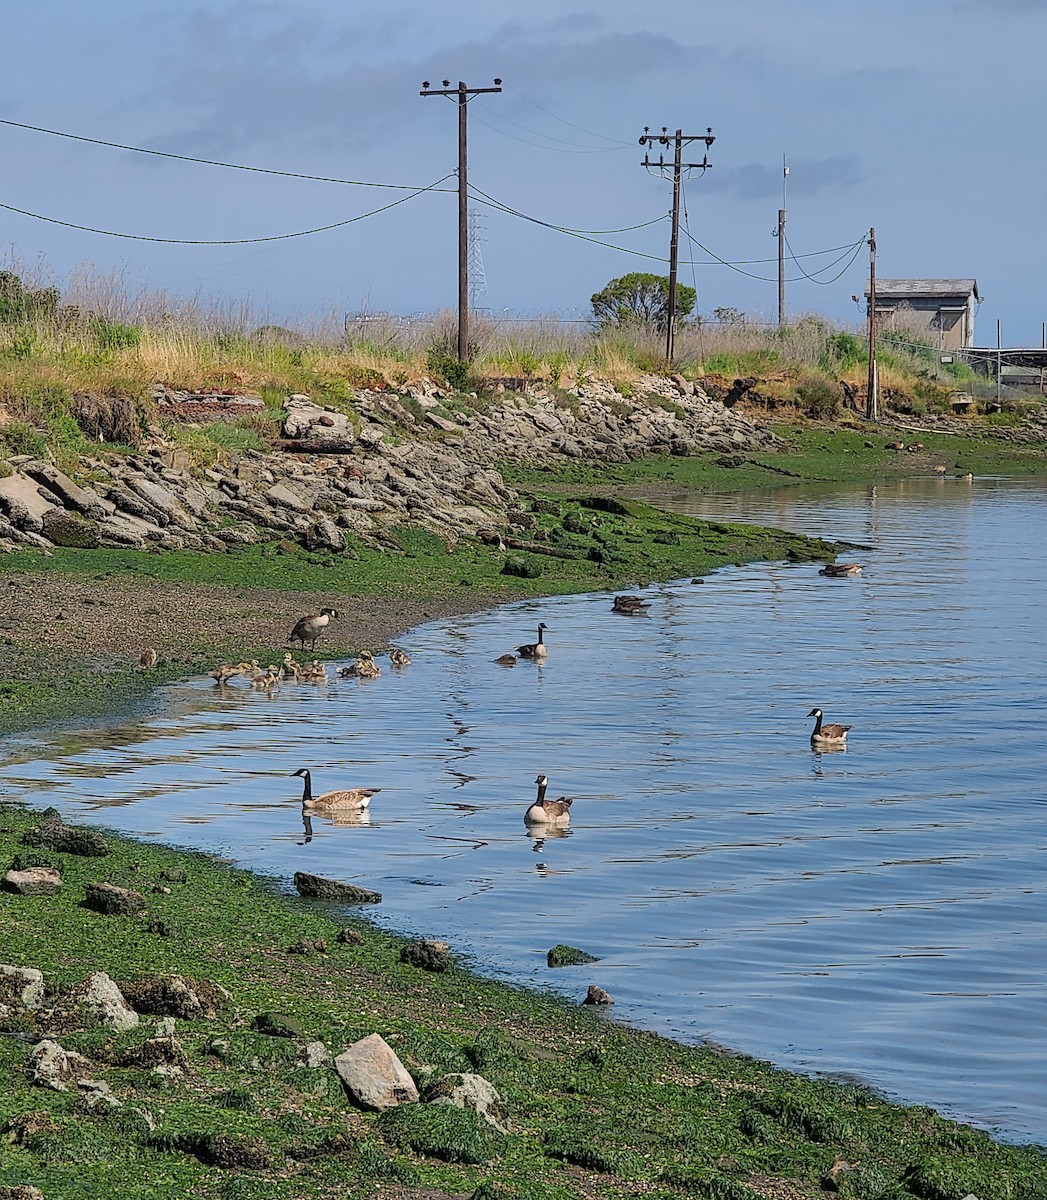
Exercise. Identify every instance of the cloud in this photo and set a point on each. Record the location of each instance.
(807, 177)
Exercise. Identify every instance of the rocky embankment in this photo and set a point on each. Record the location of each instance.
(416, 457)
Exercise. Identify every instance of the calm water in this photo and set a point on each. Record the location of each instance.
(876, 913)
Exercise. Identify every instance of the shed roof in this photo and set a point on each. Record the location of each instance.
(924, 288)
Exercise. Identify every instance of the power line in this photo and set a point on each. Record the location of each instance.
(278, 237)
(576, 147)
(210, 162)
(580, 128)
(851, 250)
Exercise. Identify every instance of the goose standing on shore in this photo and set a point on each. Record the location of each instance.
(554, 813)
(827, 737)
(311, 626)
(535, 649)
(347, 800)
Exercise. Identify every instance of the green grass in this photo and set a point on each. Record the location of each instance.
(595, 1109)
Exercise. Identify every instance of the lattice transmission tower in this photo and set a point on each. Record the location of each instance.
(477, 275)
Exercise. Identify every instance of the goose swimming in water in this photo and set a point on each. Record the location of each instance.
(841, 570)
(399, 658)
(506, 660)
(364, 668)
(349, 798)
(555, 813)
(310, 627)
(630, 605)
(536, 649)
(827, 737)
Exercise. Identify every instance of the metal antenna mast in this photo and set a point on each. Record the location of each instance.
(462, 94)
(781, 246)
(677, 140)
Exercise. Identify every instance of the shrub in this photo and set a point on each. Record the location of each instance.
(819, 398)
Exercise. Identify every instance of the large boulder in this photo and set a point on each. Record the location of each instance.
(373, 1076)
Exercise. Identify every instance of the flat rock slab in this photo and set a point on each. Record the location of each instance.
(315, 887)
(373, 1076)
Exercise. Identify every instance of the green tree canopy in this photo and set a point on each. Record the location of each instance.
(641, 298)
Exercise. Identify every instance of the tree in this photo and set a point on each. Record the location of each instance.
(642, 299)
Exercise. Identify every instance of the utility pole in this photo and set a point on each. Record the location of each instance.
(462, 94)
(677, 141)
(870, 394)
(781, 247)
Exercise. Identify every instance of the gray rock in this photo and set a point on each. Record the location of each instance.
(373, 1076)
(281, 494)
(72, 495)
(112, 901)
(473, 1092)
(48, 1065)
(21, 987)
(596, 995)
(33, 881)
(316, 887)
(100, 996)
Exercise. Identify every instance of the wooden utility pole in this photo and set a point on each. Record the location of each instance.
(462, 94)
(677, 141)
(870, 394)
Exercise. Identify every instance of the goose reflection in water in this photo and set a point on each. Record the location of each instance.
(351, 817)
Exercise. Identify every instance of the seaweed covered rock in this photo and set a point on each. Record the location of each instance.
(427, 955)
(176, 996)
(316, 887)
(53, 833)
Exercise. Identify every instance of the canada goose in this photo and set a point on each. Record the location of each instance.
(148, 658)
(631, 605)
(506, 660)
(310, 627)
(535, 649)
(399, 658)
(827, 736)
(967, 475)
(841, 570)
(315, 672)
(940, 470)
(364, 668)
(350, 798)
(269, 678)
(548, 812)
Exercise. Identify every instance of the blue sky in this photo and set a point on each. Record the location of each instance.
(918, 117)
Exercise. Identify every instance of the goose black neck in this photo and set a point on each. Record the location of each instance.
(541, 791)
(540, 632)
(307, 790)
(818, 724)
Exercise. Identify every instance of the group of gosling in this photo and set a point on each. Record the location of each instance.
(543, 813)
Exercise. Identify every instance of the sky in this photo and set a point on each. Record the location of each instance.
(919, 118)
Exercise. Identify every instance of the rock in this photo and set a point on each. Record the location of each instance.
(569, 956)
(20, 1191)
(317, 1055)
(472, 1092)
(427, 955)
(72, 495)
(315, 887)
(176, 996)
(53, 834)
(596, 995)
(68, 529)
(349, 937)
(163, 1055)
(373, 1076)
(20, 499)
(48, 1065)
(282, 495)
(113, 901)
(104, 1001)
(21, 987)
(34, 881)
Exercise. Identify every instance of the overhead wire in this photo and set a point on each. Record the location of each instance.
(550, 113)
(212, 162)
(576, 147)
(850, 253)
(278, 237)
